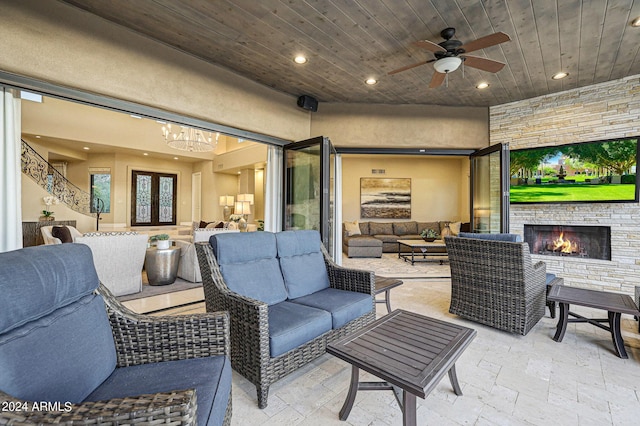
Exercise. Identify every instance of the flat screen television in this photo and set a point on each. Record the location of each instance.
(588, 172)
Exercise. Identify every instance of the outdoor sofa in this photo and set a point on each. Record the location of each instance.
(286, 299)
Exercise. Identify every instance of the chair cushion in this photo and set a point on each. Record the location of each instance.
(209, 376)
(514, 238)
(44, 278)
(62, 356)
(249, 265)
(550, 277)
(344, 306)
(301, 262)
(294, 324)
(62, 233)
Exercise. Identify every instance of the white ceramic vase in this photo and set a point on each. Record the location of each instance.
(163, 244)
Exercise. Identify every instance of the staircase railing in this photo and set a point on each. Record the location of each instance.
(45, 175)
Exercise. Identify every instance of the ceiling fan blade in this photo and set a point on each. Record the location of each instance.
(484, 42)
(483, 64)
(437, 79)
(408, 67)
(429, 45)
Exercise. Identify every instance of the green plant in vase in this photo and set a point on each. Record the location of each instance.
(429, 235)
(161, 241)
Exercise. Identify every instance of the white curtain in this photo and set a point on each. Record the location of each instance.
(273, 190)
(10, 172)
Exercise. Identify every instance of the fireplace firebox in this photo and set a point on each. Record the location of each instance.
(592, 242)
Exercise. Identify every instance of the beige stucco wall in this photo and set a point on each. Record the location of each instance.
(439, 186)
(58, 43)
(402, 126)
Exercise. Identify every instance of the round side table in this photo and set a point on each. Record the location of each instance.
(162, 265)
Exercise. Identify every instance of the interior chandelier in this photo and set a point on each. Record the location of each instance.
(189, 139)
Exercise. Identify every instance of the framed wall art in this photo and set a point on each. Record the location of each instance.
(385, 198)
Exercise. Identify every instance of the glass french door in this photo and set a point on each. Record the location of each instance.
(153, 198)
(490, 190)
(309, 188)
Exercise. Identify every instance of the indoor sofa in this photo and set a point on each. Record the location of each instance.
(69, 348)
(285, 297)
(371, 239)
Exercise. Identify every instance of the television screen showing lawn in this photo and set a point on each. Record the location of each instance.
(603, 171)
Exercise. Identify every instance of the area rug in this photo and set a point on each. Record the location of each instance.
(390, 266)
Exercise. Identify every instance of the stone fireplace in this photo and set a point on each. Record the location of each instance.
(589, 242)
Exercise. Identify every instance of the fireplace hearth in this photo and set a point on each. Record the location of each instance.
(592, 242)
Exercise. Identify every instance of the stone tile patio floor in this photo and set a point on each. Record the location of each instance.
(506, 379)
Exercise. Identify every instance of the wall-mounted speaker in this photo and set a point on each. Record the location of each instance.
(308, 102)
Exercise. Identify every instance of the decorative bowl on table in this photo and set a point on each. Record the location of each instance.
(429, 239)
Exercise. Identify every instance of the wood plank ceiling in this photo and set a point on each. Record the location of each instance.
(348, 41)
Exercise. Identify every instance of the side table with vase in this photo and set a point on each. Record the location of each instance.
(162, 265)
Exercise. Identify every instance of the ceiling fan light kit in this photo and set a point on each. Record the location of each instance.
(447, 64)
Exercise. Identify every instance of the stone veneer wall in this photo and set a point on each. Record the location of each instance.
(602, 111)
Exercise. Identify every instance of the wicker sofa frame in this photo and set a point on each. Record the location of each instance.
(250, 355)
(495, 283)
(142, 339)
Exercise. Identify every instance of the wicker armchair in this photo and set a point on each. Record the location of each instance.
(495, 283)
(250, 339)
(139, 340)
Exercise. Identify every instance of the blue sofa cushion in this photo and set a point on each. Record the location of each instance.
(210, 377)
(550, 277)
(344, 306)
(514, 238)
(302, 262)
(293, 324)
(249, 265)
(44, 278)
(62, 357)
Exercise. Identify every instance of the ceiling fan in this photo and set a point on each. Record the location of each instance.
(450, 53)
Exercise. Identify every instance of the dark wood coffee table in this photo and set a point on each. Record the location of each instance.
(614, 303)
(384, 285)
(409, 351)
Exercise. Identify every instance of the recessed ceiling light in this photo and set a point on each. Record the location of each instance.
(482, 85)
(38, 136)
(371, 81)
(135, 116)
(300, 59)
(86, 148)
(175, 158)
(560, 75)
(636, 22)
(145, 153)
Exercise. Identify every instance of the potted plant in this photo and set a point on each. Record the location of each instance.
(49, 200)
(429, 235)
(161, 240)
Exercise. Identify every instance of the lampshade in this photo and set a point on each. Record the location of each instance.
(226, 200)
(447, 65)
(246, 197)
(242, 207)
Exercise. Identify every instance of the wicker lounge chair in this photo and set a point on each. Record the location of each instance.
(65, 342)
(255, 353)
(495, 283)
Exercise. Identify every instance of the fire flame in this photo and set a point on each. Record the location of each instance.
(565, 246)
